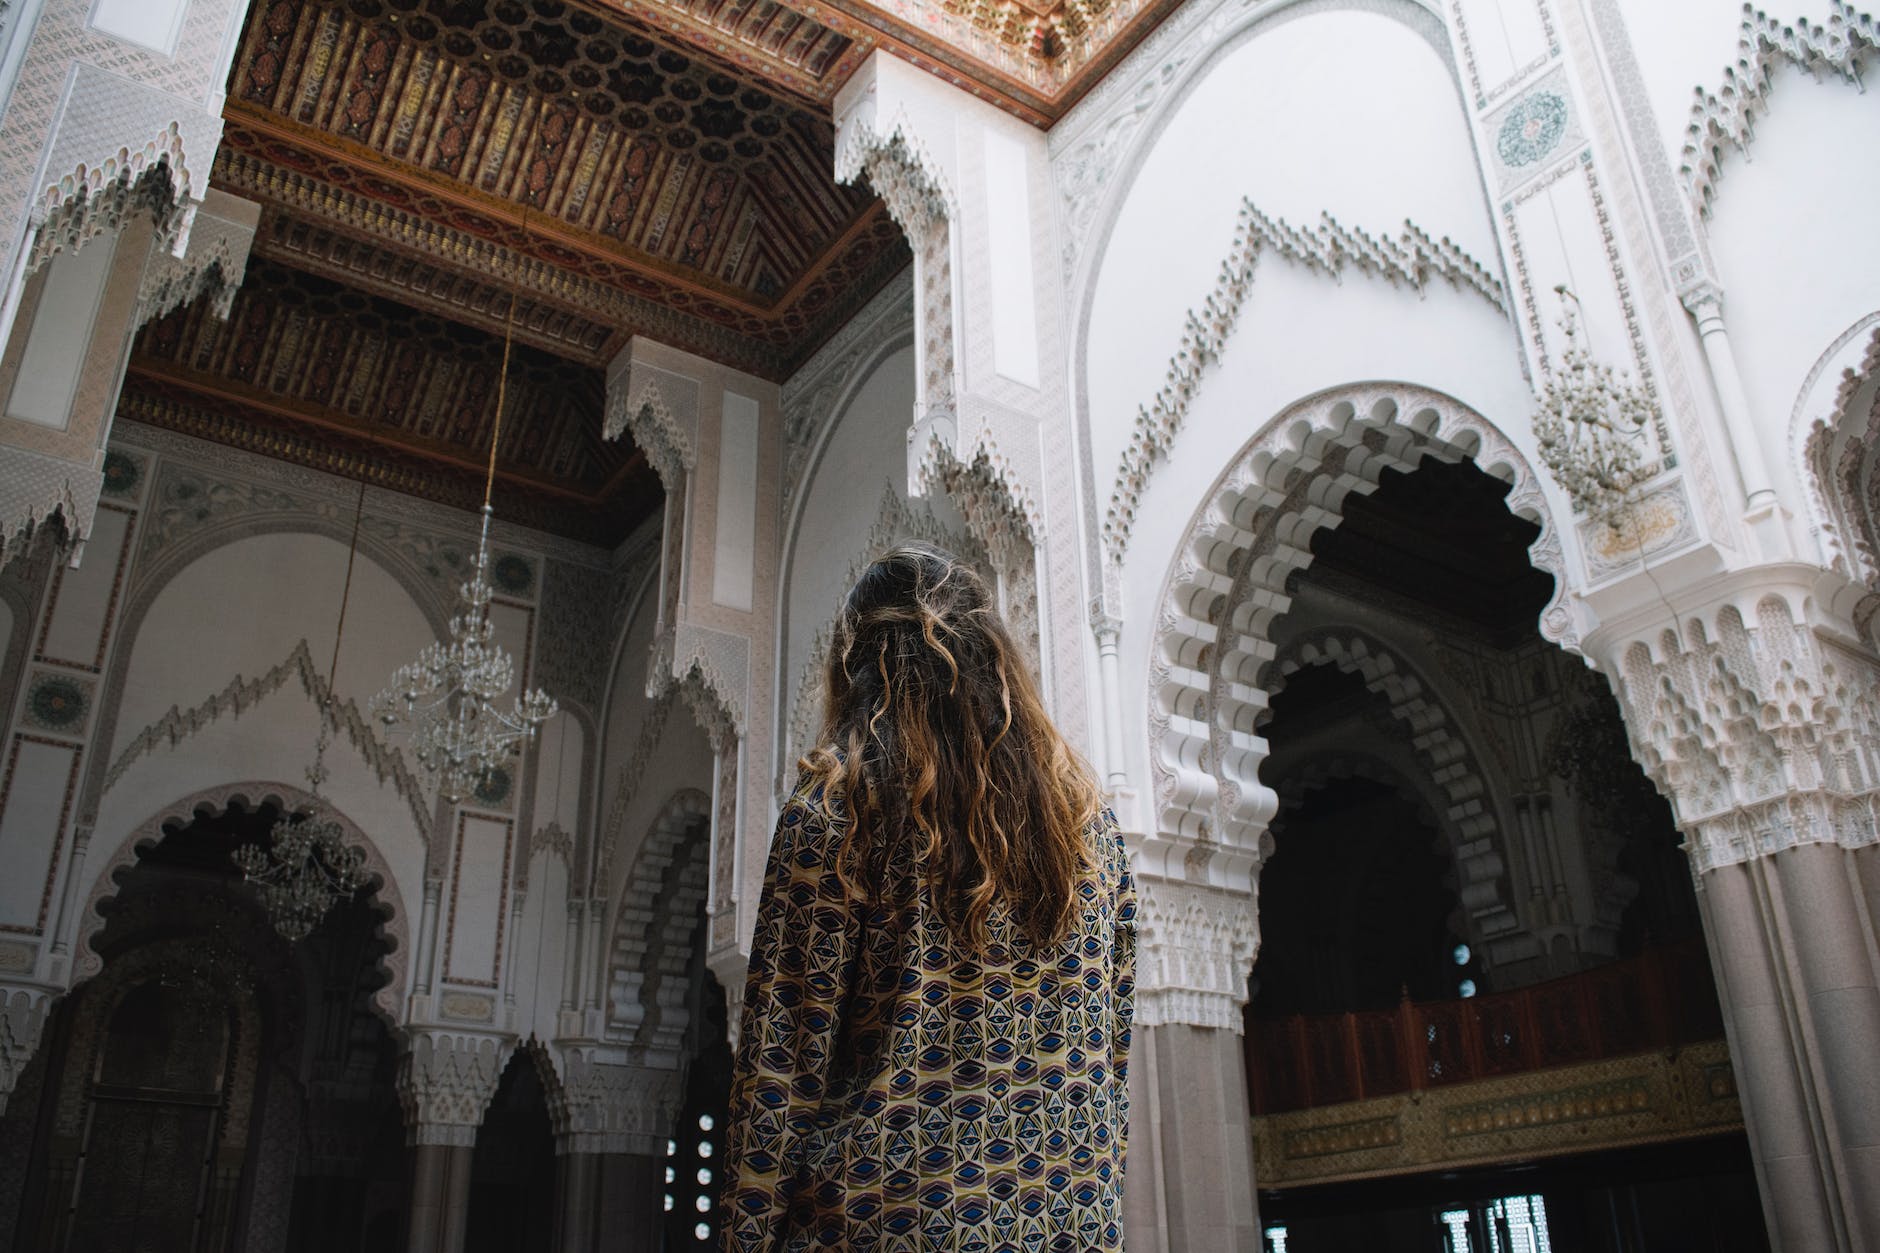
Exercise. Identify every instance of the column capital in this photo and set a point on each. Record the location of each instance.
(606, 1104)
(1758, 716)
(23, 1012)
(1703, 298)
(1194, 951)
(445, 1082)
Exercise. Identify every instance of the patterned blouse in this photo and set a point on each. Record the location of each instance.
(894, 1094)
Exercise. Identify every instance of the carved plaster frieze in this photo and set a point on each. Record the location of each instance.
(1762, 731)
(606, 1103)
(1195, 947)
(445, 1082)
(659, 408)
(242, 694)
(214, 264)
(1724, 119)
(36, 491)
(712, 669)
(23, 1011)
(1412, 259)
(219, 484)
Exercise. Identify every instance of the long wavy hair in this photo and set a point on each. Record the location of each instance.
(935, 737)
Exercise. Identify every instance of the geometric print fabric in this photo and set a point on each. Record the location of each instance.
(895, 1094)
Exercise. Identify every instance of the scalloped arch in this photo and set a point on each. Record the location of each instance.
(1212, 644)
(388, 1002)
(1478, 843)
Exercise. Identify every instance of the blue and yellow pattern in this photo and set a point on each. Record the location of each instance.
(895, 1094)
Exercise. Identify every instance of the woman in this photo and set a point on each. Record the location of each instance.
(936, 1024)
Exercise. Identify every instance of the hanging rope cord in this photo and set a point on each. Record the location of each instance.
(328, 719)
(502, 389)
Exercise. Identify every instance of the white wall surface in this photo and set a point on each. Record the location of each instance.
(1344, 112)
(1791, 233)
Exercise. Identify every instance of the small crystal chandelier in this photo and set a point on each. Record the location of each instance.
(447, 698)
(1590, 423)
(306, 867)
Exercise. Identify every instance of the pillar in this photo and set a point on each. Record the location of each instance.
(1778, 809)
(440, 1197)
(577, 1187)
(631, 1185)
(1705, 303)
(612, 1118)
(1188, 1181)
(445, 1081)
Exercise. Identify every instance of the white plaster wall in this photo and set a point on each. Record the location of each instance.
(237, 612)
(1791, 235)
(1682, 45)
(863, 460)
(541, 948)
(1350, 113)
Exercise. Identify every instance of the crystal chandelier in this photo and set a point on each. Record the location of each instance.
(447, 698)
(306, 867)
(1591, 422)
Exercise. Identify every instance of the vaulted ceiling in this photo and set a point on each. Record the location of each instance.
(433, 173)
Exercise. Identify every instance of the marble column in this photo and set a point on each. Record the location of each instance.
(577, 1181)
(1188, 1179)
(1203, 1137)
(440, 1197)
(445, 1081)
(629, 1199)
(1779, 812)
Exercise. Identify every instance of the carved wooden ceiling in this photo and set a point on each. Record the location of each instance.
(616, 167)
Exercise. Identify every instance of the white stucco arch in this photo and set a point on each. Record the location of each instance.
(1210, 647)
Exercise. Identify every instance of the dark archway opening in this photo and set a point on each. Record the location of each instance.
(1409, 948)
(512, 1172)
(214, 1087)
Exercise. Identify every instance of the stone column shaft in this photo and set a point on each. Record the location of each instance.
(440, 1197)
(1706, 305)
(577, 1179)
(1792, 942)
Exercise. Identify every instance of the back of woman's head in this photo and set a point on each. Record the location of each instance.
(943, 752)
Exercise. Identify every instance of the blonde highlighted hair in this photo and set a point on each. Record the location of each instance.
(935, 735)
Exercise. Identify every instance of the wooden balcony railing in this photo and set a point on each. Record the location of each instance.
(1662, 998)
